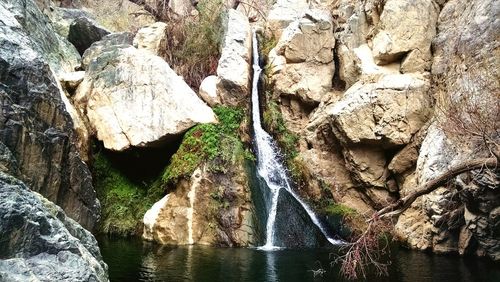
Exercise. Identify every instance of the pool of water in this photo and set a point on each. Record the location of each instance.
(135, 260)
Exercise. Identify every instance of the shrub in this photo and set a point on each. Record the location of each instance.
(217, 144)
(193, 42)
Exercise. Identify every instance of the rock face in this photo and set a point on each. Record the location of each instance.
(62, 18)
(108, 42)
(400, 19)
(282, 13)
(446, 220)
(302, 61)
(83, 32)
(207, 209)
(39, 243)
(133, 98)
(24, 14)
(233, 71)
(386, 112)
(152, 38)
(34, 123)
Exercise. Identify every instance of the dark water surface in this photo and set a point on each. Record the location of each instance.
(135, 260)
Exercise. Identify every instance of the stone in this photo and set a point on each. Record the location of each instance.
(181, 7)
(403, 31)
(406, 159)
(282, 13)
(8, 162)
(62, 18)
(385, 111)
(35, 124)
(83, 32)
(71, 80)
(367, 165)
(208, 91)
(40, 243)
(233, 71)
(206, 209)
(152, 38)
(25, 15)
(414, 228)
(306, 68)
(109, 42)
(134, 99)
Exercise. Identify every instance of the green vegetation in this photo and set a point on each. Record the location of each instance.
(123, 201)
(216, 144)
(339, 210)
(274, 123)
(194, 42)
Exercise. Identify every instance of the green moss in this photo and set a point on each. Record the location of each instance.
(274, 123)
(336, 209)
(123, 201)
(216, 144)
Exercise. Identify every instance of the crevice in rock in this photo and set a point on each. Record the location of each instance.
(140, 165)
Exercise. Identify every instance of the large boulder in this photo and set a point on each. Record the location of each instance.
(152, 38)
(302, 61)
(83, 32)
(208, 209)
(40, 243)
(34, 123)
(109, 42)
(386, 110)
(233, 71)
(133, 98)
(403, 33)
(282, 13)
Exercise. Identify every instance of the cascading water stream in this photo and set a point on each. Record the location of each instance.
(268, 165)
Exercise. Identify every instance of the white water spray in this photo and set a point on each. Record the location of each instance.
(268, 165)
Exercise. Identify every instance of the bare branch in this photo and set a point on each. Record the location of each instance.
(404, 203)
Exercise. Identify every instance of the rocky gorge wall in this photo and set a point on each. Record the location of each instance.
(357, 93)
(376, 130)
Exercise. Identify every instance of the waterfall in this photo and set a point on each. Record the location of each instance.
(269, 166)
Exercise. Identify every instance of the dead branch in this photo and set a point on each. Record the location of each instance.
(403, 204)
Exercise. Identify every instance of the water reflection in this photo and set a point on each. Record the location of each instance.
(134, 260)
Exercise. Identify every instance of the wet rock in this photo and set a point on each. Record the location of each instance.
(293, 227)
(35, 125)
(152, 38)
(39, 243)
(233, 71)
(83, 32)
